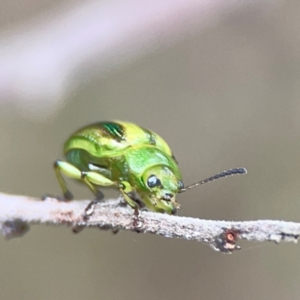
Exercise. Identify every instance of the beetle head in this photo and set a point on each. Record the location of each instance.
(162, 186)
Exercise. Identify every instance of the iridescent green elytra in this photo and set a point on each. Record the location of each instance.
(136, 161)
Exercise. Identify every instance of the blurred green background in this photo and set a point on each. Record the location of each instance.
(225, 97)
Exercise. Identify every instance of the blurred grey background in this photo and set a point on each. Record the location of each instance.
(223, 95)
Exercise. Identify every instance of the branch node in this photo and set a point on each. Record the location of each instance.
(14, 228)
(226, 241)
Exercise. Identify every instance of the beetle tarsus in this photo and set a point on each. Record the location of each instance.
(68, 196)
(137, 223)
(89, 210)
(136, 211)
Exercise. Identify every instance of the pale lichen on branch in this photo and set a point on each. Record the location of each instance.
(18, 212)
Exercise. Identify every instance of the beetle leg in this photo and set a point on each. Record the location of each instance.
(70, 171)
(126, 189)
(93, 188)
(96, 178)
(88, 211)
(91, 179)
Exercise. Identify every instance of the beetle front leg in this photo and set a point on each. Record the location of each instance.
(125, 188)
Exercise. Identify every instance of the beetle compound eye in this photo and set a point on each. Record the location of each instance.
(180, 185)
(153, 181)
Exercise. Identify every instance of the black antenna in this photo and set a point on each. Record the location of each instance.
(236, 171)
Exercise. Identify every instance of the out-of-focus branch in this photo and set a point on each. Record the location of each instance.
(48, 57)
(17, 212)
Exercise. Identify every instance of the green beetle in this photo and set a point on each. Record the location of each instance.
(136, 161)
